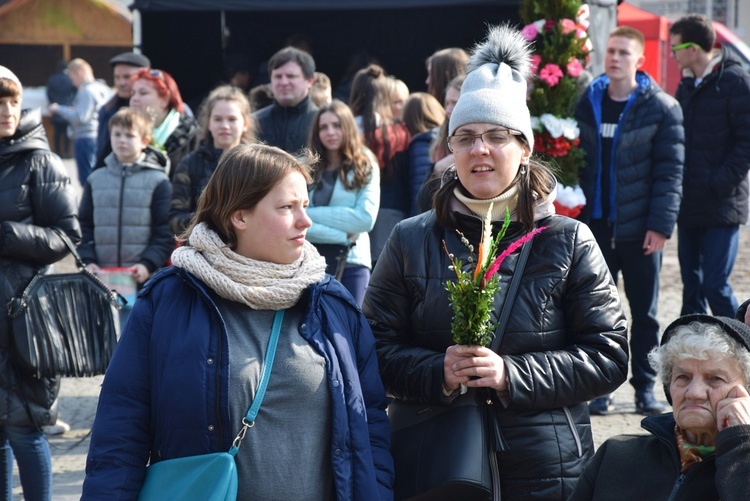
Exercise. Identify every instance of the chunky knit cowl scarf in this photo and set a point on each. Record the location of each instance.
(259, 284)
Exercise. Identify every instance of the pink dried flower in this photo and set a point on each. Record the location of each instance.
(536, 60)
(529, 32)
(568, 26)
(574, 67)
(549, 24)
(507, 252)
(550, 74)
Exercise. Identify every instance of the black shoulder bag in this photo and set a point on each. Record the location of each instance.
(64, 324)
(444, 453)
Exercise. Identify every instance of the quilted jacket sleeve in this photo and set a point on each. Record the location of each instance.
(53, 203)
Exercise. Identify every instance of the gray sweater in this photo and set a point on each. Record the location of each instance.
(83, 116)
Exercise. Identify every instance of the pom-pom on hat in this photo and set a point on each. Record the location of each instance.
(6, 73)
(495, 87)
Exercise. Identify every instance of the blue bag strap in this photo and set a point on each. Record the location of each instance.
(249, 420)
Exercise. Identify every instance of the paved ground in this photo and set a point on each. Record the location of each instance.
(78, 397)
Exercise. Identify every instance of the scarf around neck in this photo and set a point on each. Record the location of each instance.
(261, 285)
(166, 127)
(690, 454)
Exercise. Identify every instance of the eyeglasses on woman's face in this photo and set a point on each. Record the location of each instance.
(491, 139)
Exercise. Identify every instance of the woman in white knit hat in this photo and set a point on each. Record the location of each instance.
(188, 365)
(565, 341)
(35, 197)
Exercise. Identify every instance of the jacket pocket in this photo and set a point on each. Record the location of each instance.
(574, 431)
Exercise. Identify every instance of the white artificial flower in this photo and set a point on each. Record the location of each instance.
(570, 128)
(553, 125)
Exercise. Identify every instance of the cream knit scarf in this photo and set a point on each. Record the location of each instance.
(259, 284)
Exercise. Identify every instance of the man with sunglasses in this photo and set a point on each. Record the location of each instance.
(715, 98)
(632, 136)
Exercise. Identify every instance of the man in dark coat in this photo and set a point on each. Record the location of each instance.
(123, 67)
(632, 134)
(715, 98)
(287, 122)
(61, 90)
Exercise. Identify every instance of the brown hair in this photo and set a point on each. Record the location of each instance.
(352, 150)
(304, 60)
(244, 176)
(695, 28)
(9, 88)
(537, 182)
(226, 93)
(422, 112)
(440, 145)
(445, 65)
(132, 119)
(320, 90)
(630, 33)
(371, 96)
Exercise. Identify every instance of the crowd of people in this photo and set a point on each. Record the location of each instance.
(342, 221)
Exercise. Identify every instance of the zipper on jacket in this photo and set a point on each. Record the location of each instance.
(495, 471)
(676, 487)
(123, 173)
(574, 431)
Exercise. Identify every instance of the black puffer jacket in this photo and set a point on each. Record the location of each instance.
(648, 151)
(717, 135)
(35, 194)
(565, 342)
(182, 141)
(188, 181)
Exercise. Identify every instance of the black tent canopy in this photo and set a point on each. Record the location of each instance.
(191, 38)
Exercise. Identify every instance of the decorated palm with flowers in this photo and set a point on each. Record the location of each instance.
(472, 295)
(558, 29)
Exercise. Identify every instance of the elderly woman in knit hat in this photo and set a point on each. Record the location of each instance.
(565, 339)
(701, 450)
(35, 197)
(188, 365)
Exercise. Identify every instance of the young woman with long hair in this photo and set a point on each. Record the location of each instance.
(345, 197)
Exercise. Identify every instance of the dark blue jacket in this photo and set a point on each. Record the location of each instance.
(717, 132)
(646, 165)
(420, 164)
(166, 391)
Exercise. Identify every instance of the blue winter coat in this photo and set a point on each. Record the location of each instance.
(646, 164)
(166, 392)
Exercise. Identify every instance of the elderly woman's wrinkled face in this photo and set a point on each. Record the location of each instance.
(487, 171)
(697, 386)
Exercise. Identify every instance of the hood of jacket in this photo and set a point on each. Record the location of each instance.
(29, 136)
(646, 86)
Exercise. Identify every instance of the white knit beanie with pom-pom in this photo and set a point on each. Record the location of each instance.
(495, 87)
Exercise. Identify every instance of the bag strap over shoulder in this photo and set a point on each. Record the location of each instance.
(510, 298)
(249, 420)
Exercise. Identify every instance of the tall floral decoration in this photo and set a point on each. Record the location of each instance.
(557, 28)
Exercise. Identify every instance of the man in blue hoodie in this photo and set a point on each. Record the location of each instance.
(632, 136)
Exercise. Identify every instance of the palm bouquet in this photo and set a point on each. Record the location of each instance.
(472, 294)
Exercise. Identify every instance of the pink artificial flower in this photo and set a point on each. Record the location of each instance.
(507, 252)
(568, 26)
(549, 24)
(574, 67)
(550, 74)
(536, 60)
(529, 32)
(581, 33)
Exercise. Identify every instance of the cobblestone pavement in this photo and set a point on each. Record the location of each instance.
(78, 397)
